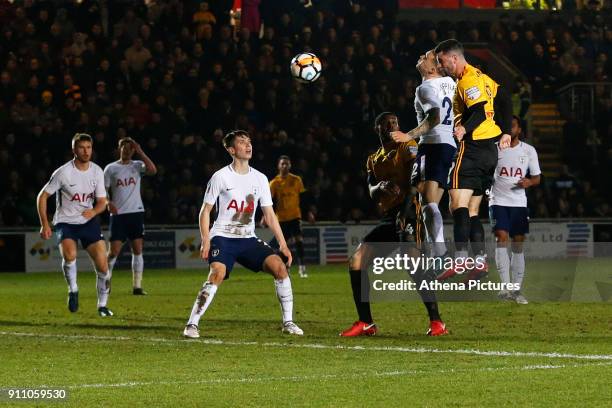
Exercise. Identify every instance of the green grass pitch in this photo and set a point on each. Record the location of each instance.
(498, 354)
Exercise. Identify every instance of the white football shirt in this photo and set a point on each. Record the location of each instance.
(512, 165)
(437, 93)
(75, 191)
(123, 182)
(237, 197)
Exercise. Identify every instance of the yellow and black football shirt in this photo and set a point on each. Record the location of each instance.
(474, 87)
(286, 195)
(393, 163)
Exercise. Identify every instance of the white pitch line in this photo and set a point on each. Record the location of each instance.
(318, 377)
(418, 350)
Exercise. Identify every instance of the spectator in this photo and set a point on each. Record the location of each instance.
(175, 76)
(137, 56)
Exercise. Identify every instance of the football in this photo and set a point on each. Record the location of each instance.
(305, 67)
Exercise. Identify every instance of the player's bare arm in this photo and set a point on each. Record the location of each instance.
(99, 208)
(111, 208)
(41, 206)
(527, 182)
(311, 217)
(204, 221)
(150, 168)
(274, 226)
(431, 120)
(459, 132)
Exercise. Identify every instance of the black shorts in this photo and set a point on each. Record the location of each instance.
(88, 233)
(249, 252)
(433, 163)
(291, 228)
(127, 226)
(389, 230)
(475, 165)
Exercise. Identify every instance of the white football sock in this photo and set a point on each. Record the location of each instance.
(111, 263)
(137, 268)
(103, 285)
(502, 260)
(480, 259)
(434, 224)
(285, 297)
(70, 273)
(517, 267)
(203, 300)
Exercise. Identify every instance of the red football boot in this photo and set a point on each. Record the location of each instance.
(477, 273)
(452, 271)
(437, 328)
(360, 328)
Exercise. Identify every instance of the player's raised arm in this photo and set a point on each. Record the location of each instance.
(431, 119)
(150, 168)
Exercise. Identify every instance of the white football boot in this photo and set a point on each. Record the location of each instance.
(292, 328)
(191, 331)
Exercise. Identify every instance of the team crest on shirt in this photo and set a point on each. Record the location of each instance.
(93, 183)
(522, 159)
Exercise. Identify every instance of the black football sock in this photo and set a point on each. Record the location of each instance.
(428, 296)
(363, 308)
(477, 236)
(299, 248)
(432, 311)
(461, 228)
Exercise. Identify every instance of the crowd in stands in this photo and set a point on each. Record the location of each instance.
(176, 75)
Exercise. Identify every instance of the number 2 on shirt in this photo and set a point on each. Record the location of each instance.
(447, 101)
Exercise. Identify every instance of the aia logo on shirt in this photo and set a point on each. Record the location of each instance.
(245, 206)
(246, 211)
(511, 172)
(82, 197)
(125, 182)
